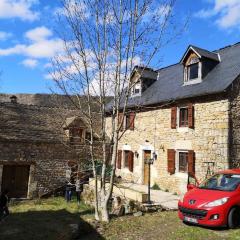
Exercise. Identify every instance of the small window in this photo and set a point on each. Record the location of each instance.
(136, 90)
(193, 71)
(183, 162)
(127, 121)
(183, 117)
(76, 135)
(126, 158)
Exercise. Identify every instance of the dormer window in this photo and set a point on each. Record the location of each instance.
(136, 89)
(197, 64)
(192, 72)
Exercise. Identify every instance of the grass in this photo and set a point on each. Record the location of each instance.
(43, 219)
(52, 219)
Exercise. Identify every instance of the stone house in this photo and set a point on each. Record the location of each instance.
(185, 117)
(41, 136)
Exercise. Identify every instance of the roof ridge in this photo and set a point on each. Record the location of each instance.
(34, 105)
(171, 65)
(202, 49)
(228, 46)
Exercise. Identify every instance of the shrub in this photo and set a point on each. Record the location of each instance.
(155, 187)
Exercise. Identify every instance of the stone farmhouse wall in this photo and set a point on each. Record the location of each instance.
(234, 98)
(48, 163)
(152, 131)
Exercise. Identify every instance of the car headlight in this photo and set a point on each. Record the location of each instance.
(216, 203)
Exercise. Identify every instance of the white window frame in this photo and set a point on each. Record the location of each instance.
(177, 161)
(181, 129)
(137, 85)
(188, 81)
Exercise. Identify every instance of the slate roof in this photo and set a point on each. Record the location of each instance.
(169, 86)
(34, 123)
(203, 53)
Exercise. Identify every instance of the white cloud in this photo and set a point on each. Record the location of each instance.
(21, 9)
(40, 45)
(31, 63)
(38, 34)
(5, 35)
(226, 13)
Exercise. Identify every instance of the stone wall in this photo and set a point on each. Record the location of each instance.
(209, 140)
(48, 163)
(234, 98)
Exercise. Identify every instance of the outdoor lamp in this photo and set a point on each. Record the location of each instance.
(136, 154)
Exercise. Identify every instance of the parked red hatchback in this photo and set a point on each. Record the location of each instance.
(215, 202)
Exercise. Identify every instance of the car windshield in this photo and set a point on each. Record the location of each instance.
(221, 182)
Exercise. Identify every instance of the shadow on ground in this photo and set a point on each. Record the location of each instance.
(44, 225)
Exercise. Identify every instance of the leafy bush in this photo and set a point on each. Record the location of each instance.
(155, 187)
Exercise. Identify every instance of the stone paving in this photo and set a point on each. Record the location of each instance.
(167, 200)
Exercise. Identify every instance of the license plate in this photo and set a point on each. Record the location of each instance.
(189, 219)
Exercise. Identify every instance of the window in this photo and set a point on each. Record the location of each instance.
(126, 159)
(76, 135)
(183, 117)
(128, 121)
(183, 162)
(136, 89)
(192, 71)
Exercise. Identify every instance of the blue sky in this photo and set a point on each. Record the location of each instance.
(28, 41)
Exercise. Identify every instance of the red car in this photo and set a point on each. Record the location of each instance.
(215, 202)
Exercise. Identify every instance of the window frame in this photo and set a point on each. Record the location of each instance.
(177, 163)
(73, 136)
(125, 158)
(136, 86)
(185, 125)
(187, 80)
(189, 71)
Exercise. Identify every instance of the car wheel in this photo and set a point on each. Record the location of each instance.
(234, 218)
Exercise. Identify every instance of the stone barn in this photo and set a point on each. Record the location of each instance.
(40, 135)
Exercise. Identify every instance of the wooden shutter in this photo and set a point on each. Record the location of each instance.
(171, 161)
(120, 121)
(130, 161)
(119, 159)
(174, 117)
(132, 117)
(191, 162)
(190, 116)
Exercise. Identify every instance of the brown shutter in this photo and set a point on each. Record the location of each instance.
(174, 117)
(119, 159)
(120, 121)
(190, 116)
(171, 161)
(132, 117)
(130, 161)
(191, 162)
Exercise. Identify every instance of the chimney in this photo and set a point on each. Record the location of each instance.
(13, 99)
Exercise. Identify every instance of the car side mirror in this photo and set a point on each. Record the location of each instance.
(191, 186)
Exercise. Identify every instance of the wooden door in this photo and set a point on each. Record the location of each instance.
(15, 179)
(146, 156)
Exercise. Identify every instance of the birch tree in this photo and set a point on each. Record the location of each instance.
(103, 41)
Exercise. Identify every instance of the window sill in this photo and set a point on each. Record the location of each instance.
(182, 129)
(193, 81)
(181, 175)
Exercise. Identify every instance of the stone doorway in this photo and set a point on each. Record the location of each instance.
(15, 178)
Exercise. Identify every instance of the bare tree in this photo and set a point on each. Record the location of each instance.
(103, 40)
